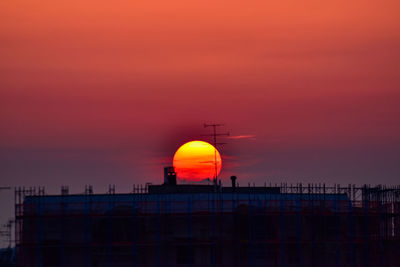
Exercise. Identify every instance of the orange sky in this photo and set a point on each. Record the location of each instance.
(93, 91)
(101, 74)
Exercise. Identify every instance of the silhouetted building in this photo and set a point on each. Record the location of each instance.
(169, 176)
(201, 225)
(7, 257)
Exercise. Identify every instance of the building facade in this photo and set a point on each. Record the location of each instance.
(183, 225)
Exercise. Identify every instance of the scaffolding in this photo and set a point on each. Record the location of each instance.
(302, 225)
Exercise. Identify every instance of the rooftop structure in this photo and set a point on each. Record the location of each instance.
(208, 225)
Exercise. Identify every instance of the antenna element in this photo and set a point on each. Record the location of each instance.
(214, 135)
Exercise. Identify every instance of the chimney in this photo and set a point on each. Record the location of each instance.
(169, 176)
(233, 179)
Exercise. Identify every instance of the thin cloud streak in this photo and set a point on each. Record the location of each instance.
(244, 136)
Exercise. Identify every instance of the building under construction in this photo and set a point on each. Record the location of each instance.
(210, 225)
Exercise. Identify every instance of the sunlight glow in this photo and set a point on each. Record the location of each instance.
(195, 161)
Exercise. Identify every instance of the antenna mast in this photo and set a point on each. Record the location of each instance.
(214, 135)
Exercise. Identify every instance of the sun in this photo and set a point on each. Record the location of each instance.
(196, 161)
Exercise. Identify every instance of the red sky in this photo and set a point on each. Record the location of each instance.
(99, 92)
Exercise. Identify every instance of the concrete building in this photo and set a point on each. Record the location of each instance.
(207, 225)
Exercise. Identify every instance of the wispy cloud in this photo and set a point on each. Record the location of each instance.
(243, 136)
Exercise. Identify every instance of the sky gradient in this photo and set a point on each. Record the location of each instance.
(100, 92)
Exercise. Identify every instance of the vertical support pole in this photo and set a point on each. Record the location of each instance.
(298, 229)
(63, 230)
(110, 229)
(159, 250)
(259, 216)
(267, 261)
(282, 227)
(381, 222)
(134, 230)
(251, 232)
(337, 245)
(398, 219)
(190, 229)
(313, 233)
(86, 232)
(235, 230)
(351, 226)
(220, 224)
(213, 233)
(167, 212)
(366, 231)
(16, 227)
(39, 240)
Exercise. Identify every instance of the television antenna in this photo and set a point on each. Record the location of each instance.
(214, 135)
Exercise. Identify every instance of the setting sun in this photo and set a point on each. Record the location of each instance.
(195, 161)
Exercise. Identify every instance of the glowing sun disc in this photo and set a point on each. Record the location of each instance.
(195, 161)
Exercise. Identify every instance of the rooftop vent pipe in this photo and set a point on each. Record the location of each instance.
(233, 179)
